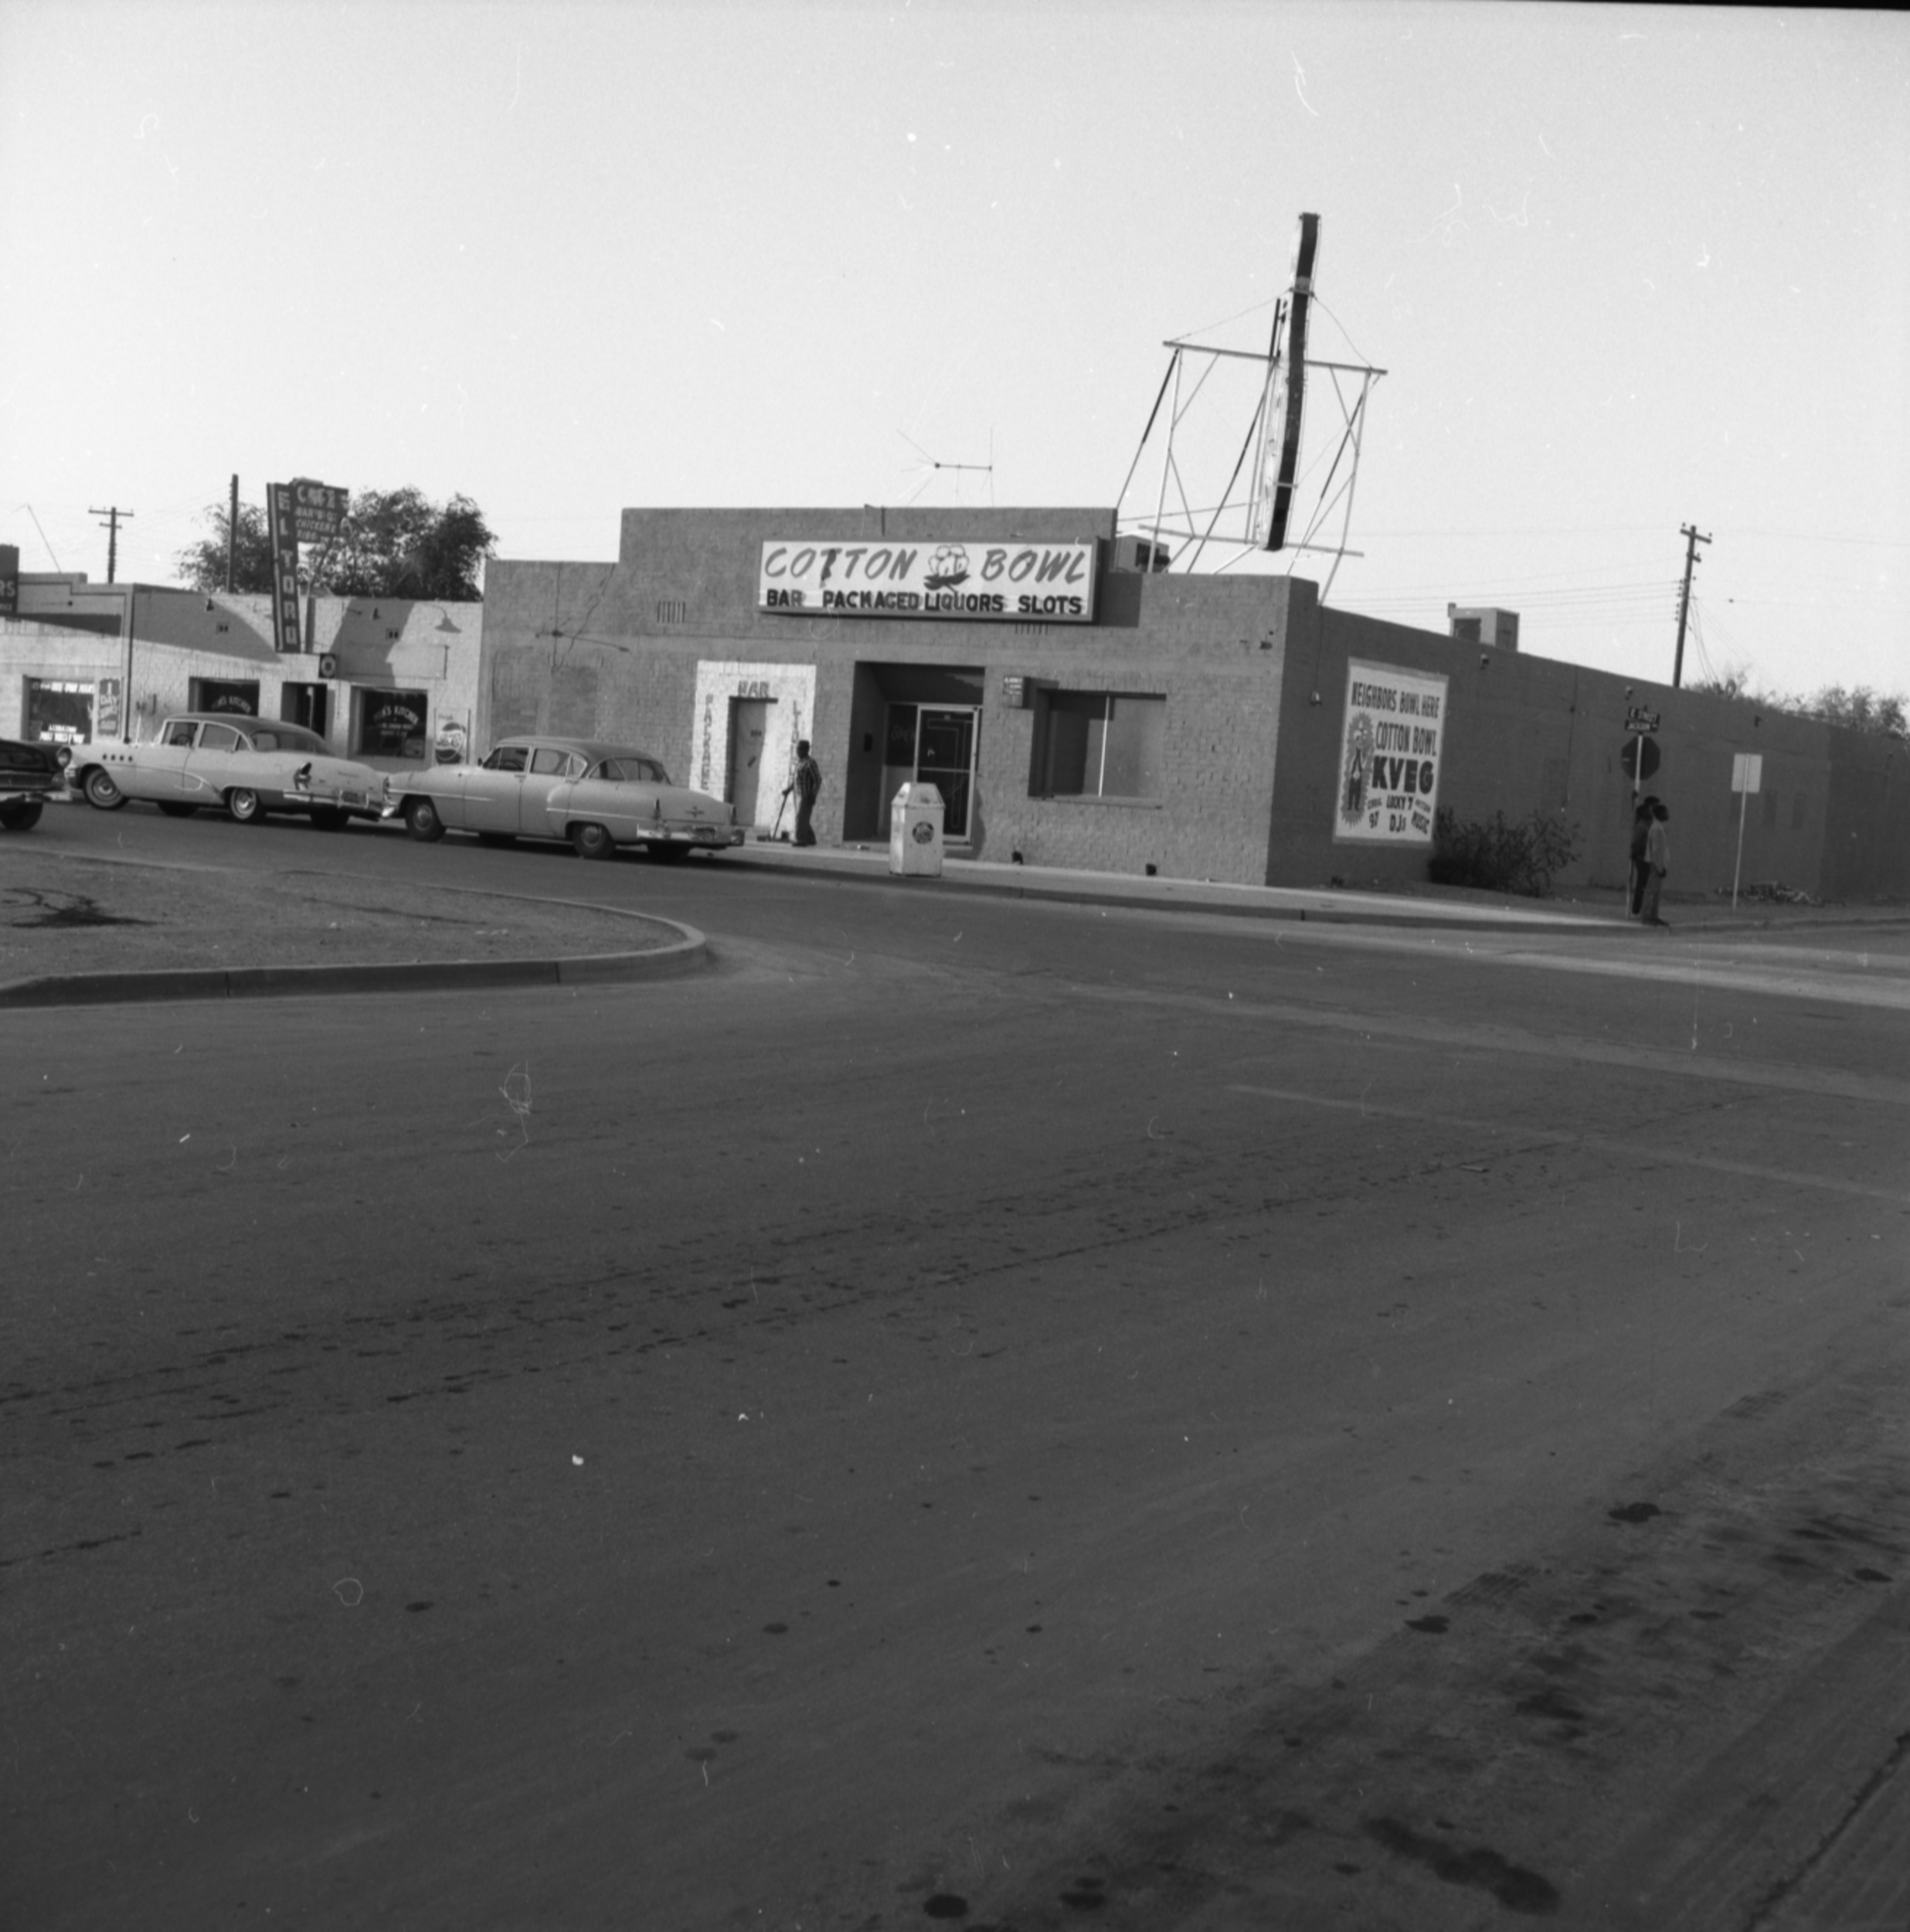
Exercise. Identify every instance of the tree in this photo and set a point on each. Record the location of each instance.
(1858, 708)
(393, 543)
(202, 566)
(398, 543)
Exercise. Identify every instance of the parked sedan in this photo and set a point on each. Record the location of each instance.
(247, 767)
(598, 796)
(29, 775)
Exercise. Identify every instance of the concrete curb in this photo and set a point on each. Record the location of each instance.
(1185, 896)
(689, 954)
(1162, 898)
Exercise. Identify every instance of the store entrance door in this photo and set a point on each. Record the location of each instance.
(945, 757)
(308, 705)
(748, 732)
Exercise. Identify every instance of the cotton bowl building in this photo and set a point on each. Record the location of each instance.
(1081, 707)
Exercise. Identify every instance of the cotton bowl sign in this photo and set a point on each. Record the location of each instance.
(1389, 755)
(1053, 582)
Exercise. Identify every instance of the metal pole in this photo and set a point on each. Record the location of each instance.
(1737, 871)
(232, 539)
(1692, 540)
(1346, 523)
(1166, 455)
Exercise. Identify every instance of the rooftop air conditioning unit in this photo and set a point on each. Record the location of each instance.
(1483, 623)
(1141, 553)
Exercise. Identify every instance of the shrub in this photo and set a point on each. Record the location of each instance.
(1497, 856)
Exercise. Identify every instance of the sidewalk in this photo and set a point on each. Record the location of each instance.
(1590, 911)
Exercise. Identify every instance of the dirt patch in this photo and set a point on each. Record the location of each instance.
(61, 915)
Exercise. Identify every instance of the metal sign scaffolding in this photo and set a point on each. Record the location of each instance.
(1245, 524)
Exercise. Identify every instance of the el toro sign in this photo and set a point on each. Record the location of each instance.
(951, 577)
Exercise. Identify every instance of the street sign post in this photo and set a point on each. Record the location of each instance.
(1747, 776)
(1639, 760)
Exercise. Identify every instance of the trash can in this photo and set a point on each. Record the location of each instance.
(915, 833)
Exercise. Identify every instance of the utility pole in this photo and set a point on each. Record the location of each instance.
(231, 537)
(1692, 540)
(112, 513)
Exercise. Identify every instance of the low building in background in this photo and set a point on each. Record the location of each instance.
(393, 683)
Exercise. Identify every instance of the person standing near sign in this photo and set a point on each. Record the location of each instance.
(1658, 862)
(1641, 831)
(808, 785)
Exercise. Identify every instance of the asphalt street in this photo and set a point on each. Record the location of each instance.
(1015, 1414)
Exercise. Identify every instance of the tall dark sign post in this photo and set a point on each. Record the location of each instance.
(300, 511)
(1640, 757)
(1280, 451)
(285, 628)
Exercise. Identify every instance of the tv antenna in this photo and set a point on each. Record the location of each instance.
(978, 469)
(1259, 521)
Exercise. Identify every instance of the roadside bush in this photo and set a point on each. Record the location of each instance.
(1497, 856)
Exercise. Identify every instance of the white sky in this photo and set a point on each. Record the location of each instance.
(1627, 267)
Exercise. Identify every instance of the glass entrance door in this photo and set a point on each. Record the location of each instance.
(945, 757)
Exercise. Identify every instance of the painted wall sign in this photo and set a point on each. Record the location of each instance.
(788, 691)
(947, 578)
(1389, 755)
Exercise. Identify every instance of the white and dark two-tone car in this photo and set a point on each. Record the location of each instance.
(598, 796)
(246, 767)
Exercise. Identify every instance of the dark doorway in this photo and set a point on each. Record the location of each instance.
(945, 757)
(749, 734)
(309, 705)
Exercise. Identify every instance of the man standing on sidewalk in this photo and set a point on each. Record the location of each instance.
(806, 784)
(1658, 862)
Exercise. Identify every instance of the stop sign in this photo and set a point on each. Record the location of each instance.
(1629, 757)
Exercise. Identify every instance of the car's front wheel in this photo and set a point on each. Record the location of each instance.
(22, 815)
(244, 805)
(100, 790)
(422, 820)
(593, 842)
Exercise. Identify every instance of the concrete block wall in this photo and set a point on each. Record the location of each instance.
(1524, 733)
(1215, 649)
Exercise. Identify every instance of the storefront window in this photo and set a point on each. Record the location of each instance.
(58, 712)
(223, 694)
(1094, 744)
(391, 724)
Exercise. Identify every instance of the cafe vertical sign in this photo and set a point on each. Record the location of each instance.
(300, 511)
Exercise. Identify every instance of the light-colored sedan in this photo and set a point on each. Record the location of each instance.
(247, 767)
(598, 796)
